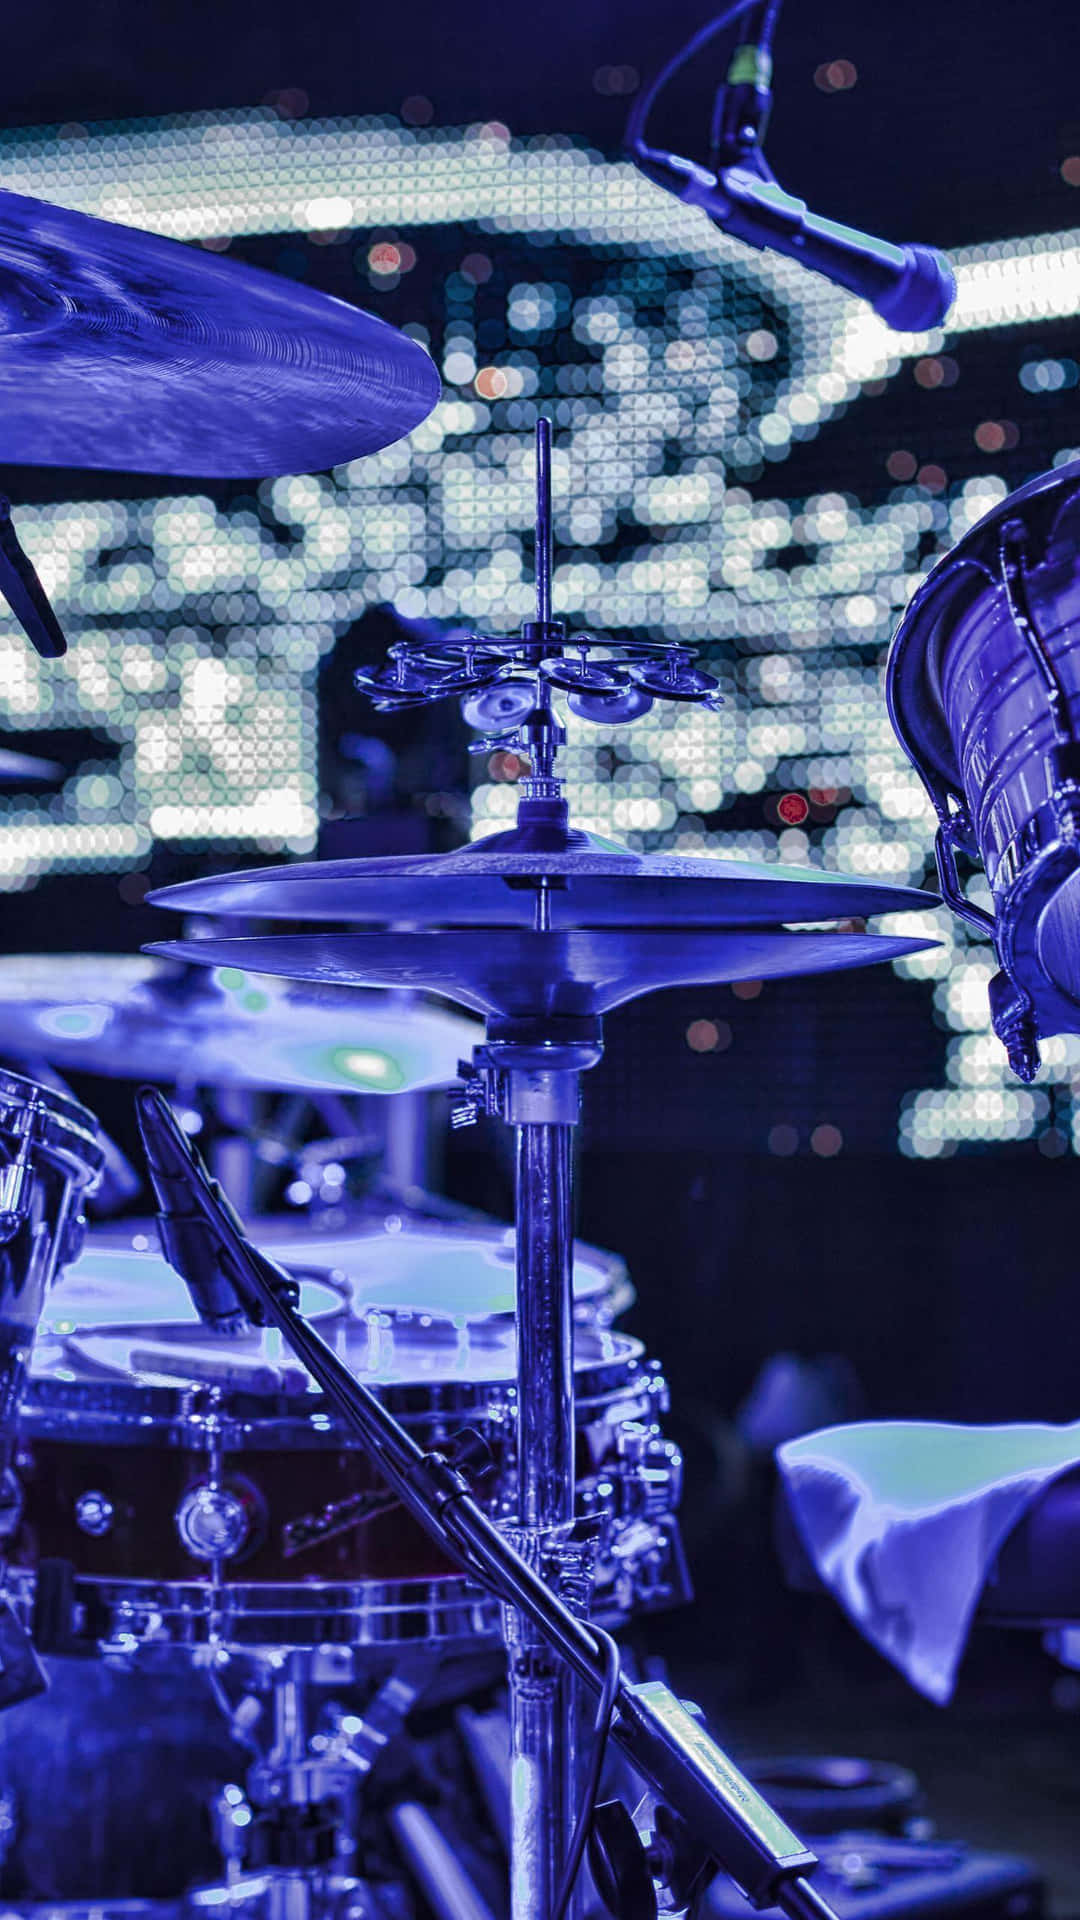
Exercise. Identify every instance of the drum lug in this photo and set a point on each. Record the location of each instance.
(950, 837)
(649, 1473)
(17, 1178)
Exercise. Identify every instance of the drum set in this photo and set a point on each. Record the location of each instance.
(252, 1618)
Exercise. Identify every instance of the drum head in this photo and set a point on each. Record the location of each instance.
(448, 1273)
(124, 1313)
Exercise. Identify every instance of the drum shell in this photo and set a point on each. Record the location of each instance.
(145, 1449)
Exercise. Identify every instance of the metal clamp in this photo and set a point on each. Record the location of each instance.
(946, 843)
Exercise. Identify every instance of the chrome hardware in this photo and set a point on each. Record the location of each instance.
(649, 1473)
(9, 1824)
(94, 1513)
(12, 1501)
(340, 1516)
(471, 1099)
(16, 1179)
(213, 1522)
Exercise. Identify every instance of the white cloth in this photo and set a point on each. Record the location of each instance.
(903, 1520)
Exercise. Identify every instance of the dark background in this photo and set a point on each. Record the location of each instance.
(954, 132)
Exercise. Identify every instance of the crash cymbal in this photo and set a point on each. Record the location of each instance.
(121, 350)
(520, 975)
(594, 883)
(132, 1018)
(17, 767)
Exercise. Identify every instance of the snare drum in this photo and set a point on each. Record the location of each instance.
(180, 1489)
(49, 1155)
(453, 1273)
(984, 694)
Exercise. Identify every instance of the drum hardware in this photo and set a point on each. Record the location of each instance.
(292, 1826)
(541, 930)
(668, 1747)
(982, 691)
(435, 1865)
(51, 1157)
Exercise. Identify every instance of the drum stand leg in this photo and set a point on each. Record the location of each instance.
(543, 1109)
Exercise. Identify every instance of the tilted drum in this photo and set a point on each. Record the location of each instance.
(178, 1489)
(984, 693)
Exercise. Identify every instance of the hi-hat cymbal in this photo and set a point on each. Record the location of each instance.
(121, 350)
(132, 1018)
(517, 974)
(594, 884)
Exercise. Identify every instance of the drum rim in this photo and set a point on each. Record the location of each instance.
(489, 1234)
(910, 688)
(293, 1240)
(449, 1607)
(201, 1414)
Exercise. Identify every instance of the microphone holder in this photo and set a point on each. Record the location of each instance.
(687, 1771)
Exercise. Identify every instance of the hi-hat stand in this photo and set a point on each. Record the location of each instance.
(728, 1819)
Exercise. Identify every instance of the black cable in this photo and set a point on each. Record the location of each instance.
(643, 105)
(605, 1713)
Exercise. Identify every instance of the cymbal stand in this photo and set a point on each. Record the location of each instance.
(528, 1074)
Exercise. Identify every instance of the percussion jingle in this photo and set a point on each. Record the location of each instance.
(502, 703)
(672, 677)
(585, 676)
(398, 679)
(610, 709)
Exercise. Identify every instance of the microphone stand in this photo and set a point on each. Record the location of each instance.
(728, 1818)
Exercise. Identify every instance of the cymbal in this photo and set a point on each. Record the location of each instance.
(132, 1018)
(121, 350)
(17, 767)
(594, 884)
(518, 974)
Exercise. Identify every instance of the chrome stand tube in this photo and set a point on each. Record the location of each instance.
(543, 1109)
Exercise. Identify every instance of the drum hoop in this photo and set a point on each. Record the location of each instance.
(363, 1614)
(67, 1131)
(197, 1417)
(492, 1237)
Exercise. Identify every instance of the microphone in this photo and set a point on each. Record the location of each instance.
(911, 287)
(189, 1241)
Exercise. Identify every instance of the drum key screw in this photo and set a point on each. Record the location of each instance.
(212, 1522)
(94, 1513)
